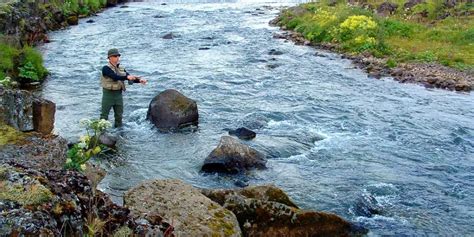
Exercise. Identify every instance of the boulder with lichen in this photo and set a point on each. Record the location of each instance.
(268, 211)
(192, 213)
(172, 110)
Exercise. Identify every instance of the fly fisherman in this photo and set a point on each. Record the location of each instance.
(112, 81)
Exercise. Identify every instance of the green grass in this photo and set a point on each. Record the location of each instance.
(406, 36)
(7, 59)
(14, 61)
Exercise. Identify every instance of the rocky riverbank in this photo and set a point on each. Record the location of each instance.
(430, 75)
(28, 22)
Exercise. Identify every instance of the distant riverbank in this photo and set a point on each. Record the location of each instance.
(409, 41)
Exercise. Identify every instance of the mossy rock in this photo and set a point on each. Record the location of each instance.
(191, 213)
(32, 194)
(9, 135)
(171, 110)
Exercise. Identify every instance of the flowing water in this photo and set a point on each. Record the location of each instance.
(335, 140)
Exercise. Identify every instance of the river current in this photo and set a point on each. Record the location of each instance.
(335, 140)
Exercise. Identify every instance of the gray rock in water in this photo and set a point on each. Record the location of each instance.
(168, 36)
(367, 206)
(108, 140)
(172, 110)
(243, 133)
(233, 157)
(275, 52)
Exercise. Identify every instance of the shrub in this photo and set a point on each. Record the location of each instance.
(7, 59)
(6, 81)
(31, 55)
(434, 8)
(395, 27)
(391, 63)
(28, 72)
(357, 33)
(88, 146)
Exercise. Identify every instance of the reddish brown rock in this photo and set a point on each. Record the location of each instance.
(43, 115)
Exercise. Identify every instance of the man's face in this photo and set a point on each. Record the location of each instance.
(114, 59)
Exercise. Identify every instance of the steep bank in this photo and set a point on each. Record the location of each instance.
(390, 39)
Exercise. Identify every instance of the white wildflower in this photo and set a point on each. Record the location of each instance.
(82, 145)
(84, 122)
(104, 124)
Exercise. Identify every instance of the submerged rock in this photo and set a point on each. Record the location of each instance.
(192, 213)
(172, 110)
(108, 140)
(243, 133)
(168, 36)
(367, 206)
(231, 156)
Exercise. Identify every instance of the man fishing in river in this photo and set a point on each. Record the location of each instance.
(112, 81)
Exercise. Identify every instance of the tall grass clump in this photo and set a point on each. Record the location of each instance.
(8, 54)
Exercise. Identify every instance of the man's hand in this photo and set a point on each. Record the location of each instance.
(143, 81)
(131, 77)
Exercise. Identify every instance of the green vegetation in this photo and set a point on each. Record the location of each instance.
(427, 32)
(76, 7)
(88, 146)
(33, 193)
(25, 63)
(9, 135)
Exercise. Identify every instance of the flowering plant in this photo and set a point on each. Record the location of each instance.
(357, 31)
(88, 145)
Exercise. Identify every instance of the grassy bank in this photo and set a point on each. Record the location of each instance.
(432, 31)
(18, 59)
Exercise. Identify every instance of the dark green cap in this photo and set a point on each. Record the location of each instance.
(113, 52)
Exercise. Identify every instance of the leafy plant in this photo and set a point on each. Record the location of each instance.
(34, 57)
(391, 63)
(8, 54)
(28, 72)
(88, 146)
(5, 82)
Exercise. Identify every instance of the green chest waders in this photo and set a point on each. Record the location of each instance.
(112, 96)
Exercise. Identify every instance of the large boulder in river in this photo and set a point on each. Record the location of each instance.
(231, 156)
(191, 213)
(260, 214)
(172, 110)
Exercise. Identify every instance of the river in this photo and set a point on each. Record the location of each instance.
(335, 140)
